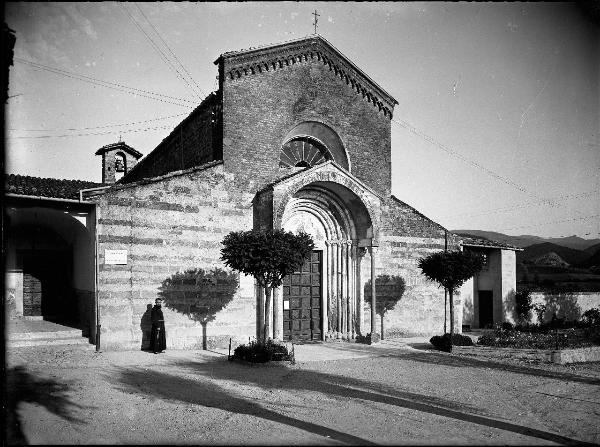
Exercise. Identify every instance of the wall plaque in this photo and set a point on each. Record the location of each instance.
(115, 257)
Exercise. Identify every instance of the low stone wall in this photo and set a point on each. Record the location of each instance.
(576, 355)
(567, 305)
(591, 354)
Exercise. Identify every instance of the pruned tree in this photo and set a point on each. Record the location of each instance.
(268, 256)
(389, 290)
(523, 306)
(200, 294)
(451, 269)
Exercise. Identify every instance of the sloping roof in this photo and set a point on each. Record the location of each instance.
(480, 242)
(270, 57)
(25, 185)
(120, 146)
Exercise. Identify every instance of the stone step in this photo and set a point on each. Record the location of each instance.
(22, 336)
(79, 342)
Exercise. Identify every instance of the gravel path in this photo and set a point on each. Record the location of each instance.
(362, 395)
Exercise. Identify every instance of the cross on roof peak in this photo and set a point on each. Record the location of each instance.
(316, 20)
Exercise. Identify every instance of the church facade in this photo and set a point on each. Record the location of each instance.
(298, 138)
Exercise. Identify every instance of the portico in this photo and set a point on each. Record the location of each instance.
(324, 299)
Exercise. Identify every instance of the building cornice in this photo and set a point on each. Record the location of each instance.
(254, 61)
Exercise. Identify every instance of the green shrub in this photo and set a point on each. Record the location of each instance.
(442, 342)
(257, 352)
(507, 326)
(566, 338)
(591, 317)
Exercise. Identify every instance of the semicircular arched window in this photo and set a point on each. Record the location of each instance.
(303, 152)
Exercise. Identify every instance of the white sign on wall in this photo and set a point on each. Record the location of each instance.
(115, 257)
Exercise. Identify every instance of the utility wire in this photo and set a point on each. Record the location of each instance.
(112, 85)
(159, 51)
(527, 204)
(90, 133)
(98, 127)
(171, 51)
(553, 222)
(445, 148)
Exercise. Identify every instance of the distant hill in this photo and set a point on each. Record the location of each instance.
(551, 259)
(523, 241)
(593, 249)
(592, 261)
(536, 251)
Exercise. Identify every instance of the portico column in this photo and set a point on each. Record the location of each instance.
(338, 289)
(352, 287)
(330, 286)
(347, 284)
(360, 253)
(373, 250)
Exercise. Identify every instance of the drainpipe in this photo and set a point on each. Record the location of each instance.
(96, 280)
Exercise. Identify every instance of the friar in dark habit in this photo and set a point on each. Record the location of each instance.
(158, 338)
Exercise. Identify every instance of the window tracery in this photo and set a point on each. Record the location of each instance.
(303, 152)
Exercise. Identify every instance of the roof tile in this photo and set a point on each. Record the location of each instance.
(46, 187)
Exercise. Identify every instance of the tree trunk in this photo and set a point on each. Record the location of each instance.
(268, 330)
(445, 310)
(382, 325)
(260, 309)
(451, 312)
(450, 291)
(204, 344)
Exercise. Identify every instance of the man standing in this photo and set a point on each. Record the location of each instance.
(158, 339)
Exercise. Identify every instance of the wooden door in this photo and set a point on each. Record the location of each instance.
(302, 293)
(486, 309)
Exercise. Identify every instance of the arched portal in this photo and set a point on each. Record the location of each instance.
(323, 299)
(50, 263)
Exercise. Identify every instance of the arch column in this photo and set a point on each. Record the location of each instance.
(360, 254)
(373, 252)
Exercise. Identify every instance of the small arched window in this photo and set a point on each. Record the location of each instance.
(120, 165)
(303, 152)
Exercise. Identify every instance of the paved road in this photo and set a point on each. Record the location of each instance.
(336, 393)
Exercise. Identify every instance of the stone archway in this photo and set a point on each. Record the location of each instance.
(344, 217)
(337, 222)
(50, 263)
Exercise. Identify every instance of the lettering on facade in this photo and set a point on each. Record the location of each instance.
(115, 257)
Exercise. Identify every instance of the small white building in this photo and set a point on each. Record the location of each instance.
(489, 297)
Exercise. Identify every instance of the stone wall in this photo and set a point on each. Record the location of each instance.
(169, 225)
(260, 109)
(567, 305)
(406, 237)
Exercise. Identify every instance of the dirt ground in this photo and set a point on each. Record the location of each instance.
(361, 395)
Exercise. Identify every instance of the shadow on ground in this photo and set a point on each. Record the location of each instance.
(23, 387)
(206, 391)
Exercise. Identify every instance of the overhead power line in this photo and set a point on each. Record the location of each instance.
(461, 157)
(541, 224)
(171, 51)
(528, 204)
(124, 131)
(162, 55)
(452, 152)
(112, 85)
(98, 127)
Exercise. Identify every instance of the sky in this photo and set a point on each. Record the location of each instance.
(496, 126)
